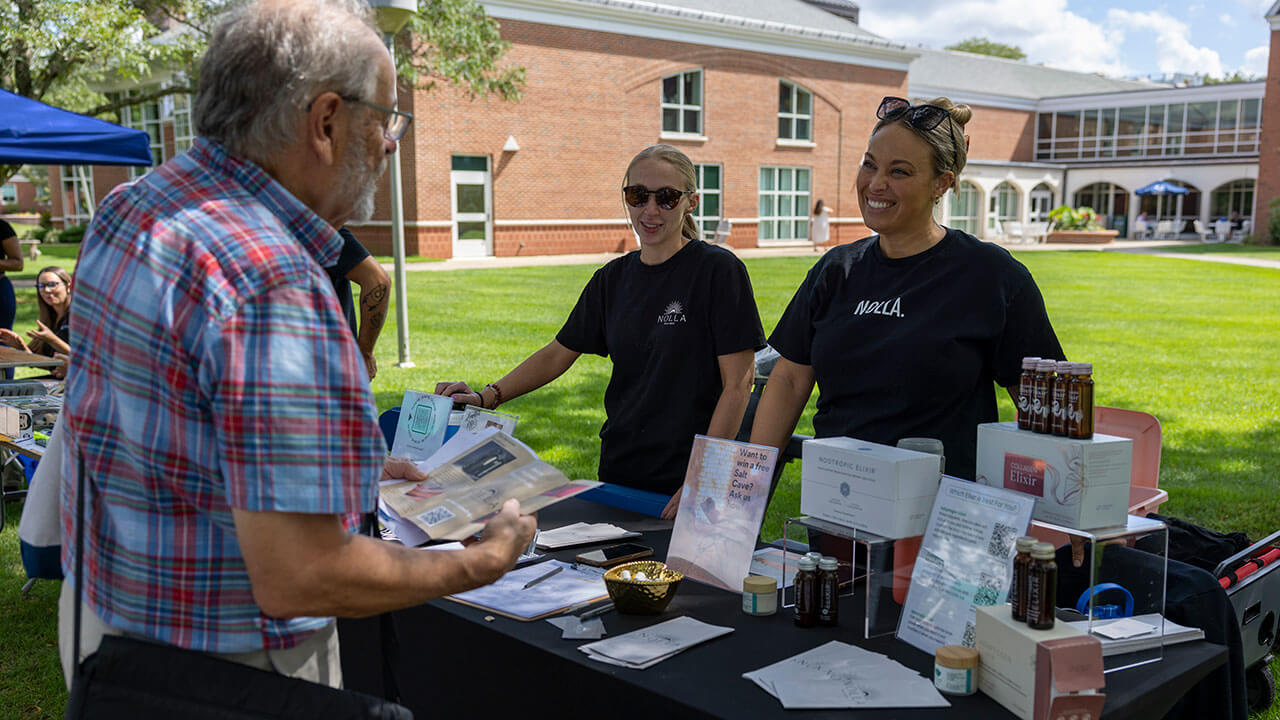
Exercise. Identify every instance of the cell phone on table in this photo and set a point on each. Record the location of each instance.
(615, 554)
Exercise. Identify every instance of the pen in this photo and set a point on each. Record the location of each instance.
(597, 612)
(540, 578)
(533, 544)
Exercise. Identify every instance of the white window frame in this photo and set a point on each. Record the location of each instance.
(135, 116)
(993, 207)
(794, 116)
(707, 223)
(183, 127)
(8, 194)
(966, 192)
(776, 227)
(680, 107)
(81, 190)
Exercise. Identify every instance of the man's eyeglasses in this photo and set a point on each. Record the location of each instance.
(49, 285)
(667, 197)
(396, 124)
(920, 117)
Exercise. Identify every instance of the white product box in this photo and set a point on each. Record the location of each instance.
(1077, 483)
(19, 416)
(884, 490)
(1038, 674)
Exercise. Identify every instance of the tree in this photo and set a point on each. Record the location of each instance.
(983, 46)
(1238, 76)
(65, 51)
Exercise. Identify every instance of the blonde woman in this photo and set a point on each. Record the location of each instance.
(677, 318)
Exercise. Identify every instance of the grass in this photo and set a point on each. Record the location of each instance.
(1260, 252)
(1192, 343)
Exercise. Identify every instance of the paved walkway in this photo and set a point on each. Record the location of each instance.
(1132, 246)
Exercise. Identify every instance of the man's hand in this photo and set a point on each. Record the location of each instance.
(401, 469)
(507, 535)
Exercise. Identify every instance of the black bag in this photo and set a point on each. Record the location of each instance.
(130, 679)
(1199, 546)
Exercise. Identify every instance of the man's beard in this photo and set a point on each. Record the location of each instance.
(363, 180)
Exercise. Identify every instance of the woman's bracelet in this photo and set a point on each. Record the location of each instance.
(497, 396)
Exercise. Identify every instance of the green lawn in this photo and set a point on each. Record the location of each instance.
(1193, 343)
(1261, 252)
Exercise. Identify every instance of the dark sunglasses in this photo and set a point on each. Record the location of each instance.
(667, 197)
(920, 117)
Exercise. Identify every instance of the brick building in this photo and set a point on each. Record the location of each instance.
(774, 100)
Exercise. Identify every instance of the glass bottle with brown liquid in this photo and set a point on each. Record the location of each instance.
(1042, 387)
(1042, 587)
(1018, 588)
(1058, 401)
(806, 589)
(1025, 384)
(1080, 402)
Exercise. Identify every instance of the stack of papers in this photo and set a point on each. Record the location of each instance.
(769, 561)
(640, 649)
(1137, 633)
(581, 533)
(838, 675)
(573, 584)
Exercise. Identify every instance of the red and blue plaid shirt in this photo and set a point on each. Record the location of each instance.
(211, 369)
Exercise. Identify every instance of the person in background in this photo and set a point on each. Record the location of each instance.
(677, 318)
(820, 225)
(215, 397)
(10, 261)
(356, 265)
(907, 332)
(52, 334)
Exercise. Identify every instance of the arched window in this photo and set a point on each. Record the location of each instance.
(1003, 206)
(965, 207)
(1106, 199)
(1232, 199)
(1041, 203)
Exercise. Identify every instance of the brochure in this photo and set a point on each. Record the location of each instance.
(722, 503)
(461, 493)
(423, 420)
(966, 560)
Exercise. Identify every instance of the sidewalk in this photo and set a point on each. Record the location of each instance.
(1150, 247)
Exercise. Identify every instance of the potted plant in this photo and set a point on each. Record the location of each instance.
(1078, 225)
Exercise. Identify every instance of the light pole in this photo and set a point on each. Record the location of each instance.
(392, 16)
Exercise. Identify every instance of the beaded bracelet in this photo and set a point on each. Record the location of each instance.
(497, 396)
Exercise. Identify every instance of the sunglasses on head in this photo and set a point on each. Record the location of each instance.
(667, 197)
(920, 117)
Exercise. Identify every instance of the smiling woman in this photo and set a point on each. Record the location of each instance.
(930, 318)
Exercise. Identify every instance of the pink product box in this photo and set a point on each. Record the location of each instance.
(1039, 674)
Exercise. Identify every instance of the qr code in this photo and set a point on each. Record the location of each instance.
(1002, 540)
(435, 516)
(988, 590)
(970, 637)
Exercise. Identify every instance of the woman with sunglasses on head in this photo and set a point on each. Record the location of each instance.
(677, 318)
(906, 332)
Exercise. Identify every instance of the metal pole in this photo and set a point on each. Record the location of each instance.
(397, 245)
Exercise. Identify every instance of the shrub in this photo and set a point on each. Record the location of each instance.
(1068, 218)
(71, 234)
(41, 233)
(1272, 234)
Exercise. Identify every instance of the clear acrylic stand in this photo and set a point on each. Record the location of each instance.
(881, 616)
(1147, 586)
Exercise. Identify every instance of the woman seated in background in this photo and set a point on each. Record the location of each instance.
(52, 333)
(677, 318)
(906, 332)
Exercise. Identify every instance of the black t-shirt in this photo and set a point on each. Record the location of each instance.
(910, 347)
(6, 230)
(664, 327)
(353, 253)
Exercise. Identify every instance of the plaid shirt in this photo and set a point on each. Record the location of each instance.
(212, 370)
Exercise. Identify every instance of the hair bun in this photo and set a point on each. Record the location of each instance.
(960, 114)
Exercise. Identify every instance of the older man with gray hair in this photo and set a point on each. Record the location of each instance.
(215, 395)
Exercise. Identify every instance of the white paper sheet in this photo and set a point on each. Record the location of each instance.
(581, 533)
(574, 584)
(838, 675)
(643, 648)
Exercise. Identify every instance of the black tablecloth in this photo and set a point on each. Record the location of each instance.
(450, 659)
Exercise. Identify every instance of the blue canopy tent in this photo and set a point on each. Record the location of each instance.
(38, 134)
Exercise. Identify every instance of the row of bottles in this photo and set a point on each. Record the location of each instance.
(1033, 594)
(1056, 397)
(817, 588)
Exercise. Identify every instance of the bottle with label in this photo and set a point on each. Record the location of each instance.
(1025, 383)
(1018, 588)
(1058, 402)
(828, 592)
(1042, 587)
(1080, 410)
(1041, 389)
(806, 589)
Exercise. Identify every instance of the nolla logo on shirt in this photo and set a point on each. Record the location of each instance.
(879, 307)
(673, 313)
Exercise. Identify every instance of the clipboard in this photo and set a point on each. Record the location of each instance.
(576, 585)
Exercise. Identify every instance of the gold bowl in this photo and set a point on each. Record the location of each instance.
(642, 597)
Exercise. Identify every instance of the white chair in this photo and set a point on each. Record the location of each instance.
(1037, 232)
(1014, 230)
(1141, 229)
(1222, 230)
(1164, 230)
(723, 228)
(1246, 229)
(1202, 232)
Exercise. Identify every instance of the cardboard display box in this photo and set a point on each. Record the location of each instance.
(1038, 674)
(884, 490)
(1080, 484)
(20, 416)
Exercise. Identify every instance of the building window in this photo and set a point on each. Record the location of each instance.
(710, 185)
(1003, 208)
(795, 112)
(8, 194)
(183, 133)
(964, 207)
(144, 116)
(1232, 199)
(77, 194)
(784, 203)
(1041, 203)
(682, 103)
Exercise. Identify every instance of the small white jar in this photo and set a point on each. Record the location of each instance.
(759, 595)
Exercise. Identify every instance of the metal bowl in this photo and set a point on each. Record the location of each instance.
(642, 597)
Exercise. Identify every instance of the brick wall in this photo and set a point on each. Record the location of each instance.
(1268, 187)
(591, 102)
(1001, 134)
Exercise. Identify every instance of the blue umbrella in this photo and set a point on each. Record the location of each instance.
(1161, 187)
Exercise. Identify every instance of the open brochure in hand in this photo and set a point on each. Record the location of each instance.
(461, 493)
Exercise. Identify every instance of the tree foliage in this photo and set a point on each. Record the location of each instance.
(1238, 76)
(65, 52)
(984, 46)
